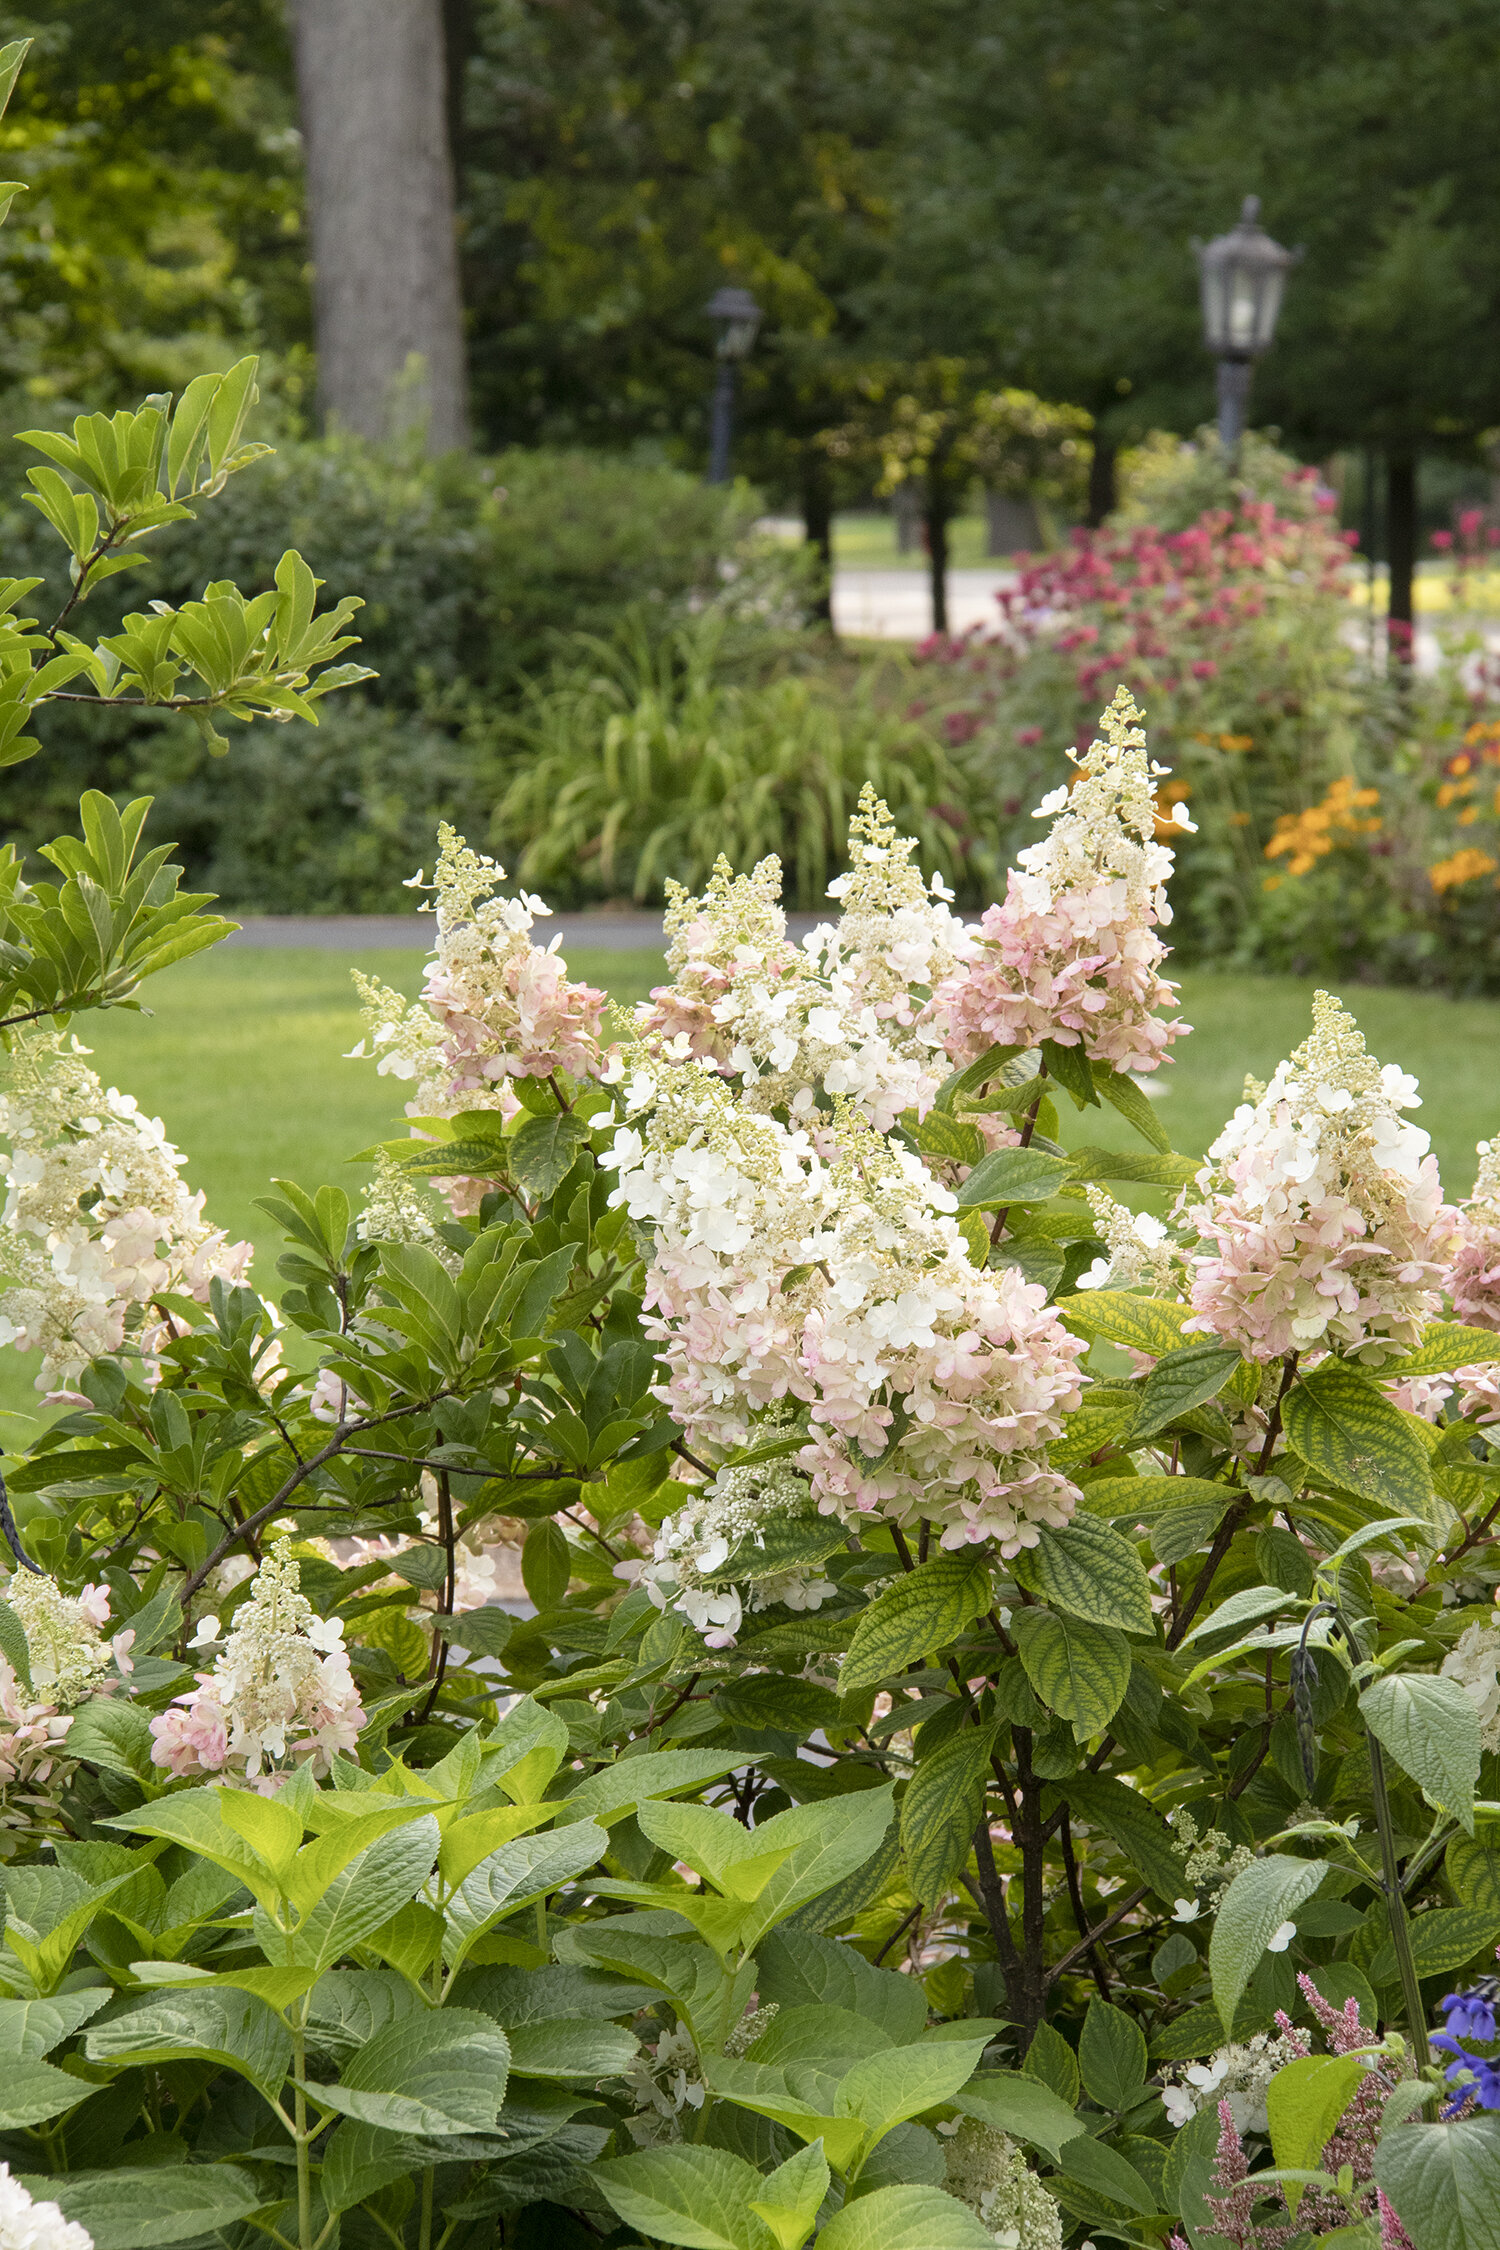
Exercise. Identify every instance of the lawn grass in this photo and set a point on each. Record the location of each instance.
(866, 540)
(243, 1060)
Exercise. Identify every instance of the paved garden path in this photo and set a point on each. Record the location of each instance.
(624, 931)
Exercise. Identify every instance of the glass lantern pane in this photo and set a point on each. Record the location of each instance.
(1244, 304)
(1273, 281)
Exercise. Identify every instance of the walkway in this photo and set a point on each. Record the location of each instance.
(896, 605)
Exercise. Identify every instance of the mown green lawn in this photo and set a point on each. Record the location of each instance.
(243, 1059)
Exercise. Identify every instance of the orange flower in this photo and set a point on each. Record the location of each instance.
(1235, 741)
(1464, 867)
(1304, 838)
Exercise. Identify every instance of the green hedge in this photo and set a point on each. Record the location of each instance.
(473, 572)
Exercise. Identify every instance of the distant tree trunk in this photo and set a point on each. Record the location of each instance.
(1401, 551)
(374, 91)
(937, 509)
(817, 515)
(1103, 496)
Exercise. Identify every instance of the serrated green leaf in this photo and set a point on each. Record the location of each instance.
(1078, 1670)
(1021, 2105)
(1012, 1175)
(225, 2026)
(921, 1613)
(905, 2218)
(1182, 1379)
(1447, 1938)
(1143, 1324)
(1111, 2057)
(1090, 1571)
(1443, 2182)
(147, 2207)
(698, 2197)
(31, 2092)
(1261, 1897)
(1132, 1824)
(434, 2072)
(1340, 1425)
(1165, 1170)
(1431, 1729)
(543, 1152)
(1304, 2103)
(1445, 1345)
(941, 1809)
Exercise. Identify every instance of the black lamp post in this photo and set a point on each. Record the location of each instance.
(1242, 275)
(738, 317)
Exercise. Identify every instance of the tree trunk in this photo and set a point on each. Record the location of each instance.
(373, 84)
(817, 515)
(935, 524)
(1401, 551)
(1103, 497)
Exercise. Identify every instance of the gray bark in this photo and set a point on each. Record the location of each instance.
(1011, 526)
(371, 79)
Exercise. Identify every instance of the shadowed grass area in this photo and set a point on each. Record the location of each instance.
(243, 1060)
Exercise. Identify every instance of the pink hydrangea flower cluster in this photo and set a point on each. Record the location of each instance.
(1474, 1277)
(34, 1765)
(495, 1005)
(1323, 1208)
(849, 1012)
(1072, 954)
(838, 1278)
(280, 1692)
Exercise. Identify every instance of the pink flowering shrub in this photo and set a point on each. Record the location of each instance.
(1232, 633)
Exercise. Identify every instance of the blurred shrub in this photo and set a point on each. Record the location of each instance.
(472, 573)
(1171, 481)
(643, 757)
(325, 820)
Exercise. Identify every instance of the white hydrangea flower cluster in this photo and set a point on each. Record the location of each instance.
(1474, 1661)
(97, 1221)
(398, 1208)
(847, 1013)
(987, 2172)
(843, 1282)
(280, 1690)
(1139, 1250)
(28, 2225)
(65, 1647)
(1238, 2074)
(1209, 1864)
(1324, 1208)
(665, 2080)
(696, 1542)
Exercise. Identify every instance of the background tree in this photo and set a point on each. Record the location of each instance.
(372, 75)
(161, 231)
(935, 427)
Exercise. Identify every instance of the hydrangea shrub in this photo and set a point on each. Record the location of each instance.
(1001, 1745)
